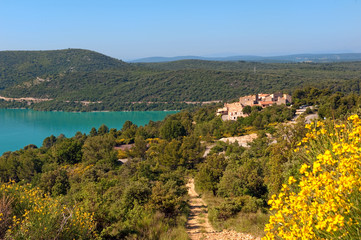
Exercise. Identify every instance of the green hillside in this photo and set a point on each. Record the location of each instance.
(20, 66)
(74, 75)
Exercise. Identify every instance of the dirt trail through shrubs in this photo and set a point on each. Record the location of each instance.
(198, 226)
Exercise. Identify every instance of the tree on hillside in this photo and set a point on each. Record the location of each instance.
(247, 110)
(172, 129)
(210, 173)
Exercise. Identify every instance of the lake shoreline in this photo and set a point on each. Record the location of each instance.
(21, 127)
(105, 111)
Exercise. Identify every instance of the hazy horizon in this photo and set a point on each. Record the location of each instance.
(244, 55)
(201, 56)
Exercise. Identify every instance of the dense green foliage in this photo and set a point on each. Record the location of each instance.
(239, 181)
(140, 199)
(103, 83)
(144, 197)
(331, 105)
(132, 181)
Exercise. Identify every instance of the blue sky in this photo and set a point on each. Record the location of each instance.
(130, 29)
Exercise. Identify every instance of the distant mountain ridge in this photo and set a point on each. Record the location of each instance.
(317, 58)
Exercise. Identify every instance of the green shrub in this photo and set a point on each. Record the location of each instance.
(35, 215)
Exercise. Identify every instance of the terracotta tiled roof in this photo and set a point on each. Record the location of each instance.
(266, 102)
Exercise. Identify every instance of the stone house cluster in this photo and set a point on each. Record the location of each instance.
(232, 111)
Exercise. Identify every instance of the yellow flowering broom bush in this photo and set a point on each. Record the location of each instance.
(324, 201)
(35, 215)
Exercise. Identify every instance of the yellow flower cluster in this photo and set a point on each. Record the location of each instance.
(80, 169)
(324, 203)
(153, 140)
(42, 217)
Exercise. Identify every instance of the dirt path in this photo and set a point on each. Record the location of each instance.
(198, 226)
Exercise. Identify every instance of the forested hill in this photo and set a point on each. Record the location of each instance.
(82, 80)
(19, 66)
(251, 66)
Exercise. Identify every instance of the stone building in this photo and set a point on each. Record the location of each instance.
(232, 111)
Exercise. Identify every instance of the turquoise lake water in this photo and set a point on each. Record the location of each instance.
(21, 127)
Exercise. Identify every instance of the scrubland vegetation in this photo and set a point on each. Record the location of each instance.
(77, 188)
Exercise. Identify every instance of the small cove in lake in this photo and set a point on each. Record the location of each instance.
(21, 127)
